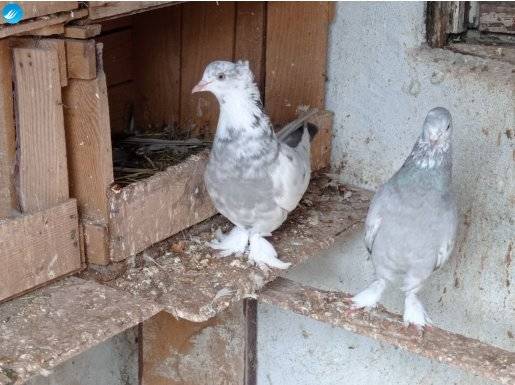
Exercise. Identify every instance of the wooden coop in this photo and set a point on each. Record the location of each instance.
(102, 153)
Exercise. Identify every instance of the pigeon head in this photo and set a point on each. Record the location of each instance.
(437, 128)
(224, 78)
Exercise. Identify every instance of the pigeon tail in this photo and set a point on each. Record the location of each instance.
(293, 139)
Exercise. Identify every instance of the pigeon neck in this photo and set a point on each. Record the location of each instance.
(426, 156)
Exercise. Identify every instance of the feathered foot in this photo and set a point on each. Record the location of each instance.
(369, 297)
(263, 254)
(414, 313)
(233, 243)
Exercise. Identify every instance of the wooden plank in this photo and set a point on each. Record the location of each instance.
(107, 9)
(96, 243)
(450, 348)
(207, 35)
(43, 22)
(58, 322)
(88, 138)
(43, 173)
(7, 133)
(437, 17)
(295, 57)
(56, 29)
(46, 43)
(250, 38)
(118, 56)
(121, 106)
(82, 31)
(82, 60)
(321, 144)
(503, 53)
(149, 211)
(38, 247)
(157, 49)
(497, 16)
(33, 9)
(184, 275)
(222, 348)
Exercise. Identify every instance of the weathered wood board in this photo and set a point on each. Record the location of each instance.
(36, 248)
(33, 9)
(81, 59)
(149, 211)
(334, 308)
(497, 16)
(43, 170)
(108, 9)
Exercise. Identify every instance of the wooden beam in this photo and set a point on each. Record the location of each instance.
(42, 22)
(207, 35)
(33, 9)
(43, 171)
(108, 9)
(7, 133)
(82, 31)
(450, 348)
(497, 16)
(444, 18)
(81, 58)
(38, 248)
(56, 29)
(157, 49)
(296, 56)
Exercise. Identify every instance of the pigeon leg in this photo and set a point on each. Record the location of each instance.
(414, 312)
(233, 243)
(369, 297)
(263, 254)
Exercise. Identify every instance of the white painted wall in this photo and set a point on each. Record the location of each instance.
(382, 82)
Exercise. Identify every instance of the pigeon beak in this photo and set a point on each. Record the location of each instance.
(201, 86)
(433, 139)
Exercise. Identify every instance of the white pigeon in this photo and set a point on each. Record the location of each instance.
(253, 177)
(412, 222)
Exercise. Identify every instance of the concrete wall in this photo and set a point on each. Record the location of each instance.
(382, 82)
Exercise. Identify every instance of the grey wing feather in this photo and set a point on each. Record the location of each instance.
(374, 217)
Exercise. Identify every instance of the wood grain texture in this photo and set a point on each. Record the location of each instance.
(121, 106)
(89, 145)
(48, 44)
(321, 144)
(449, 348)
(96, 243)
(82, 31)
(43, 22)
(250, 37)
(149, 211)
(222, 348)
(38, 247)
(295, 57)
(43, 173)
(7, 133)
(33, 9)
(107, 9)
(81, 58)
(118, 56)
(56, 29)
(497, 16)
(210, 26)
(157, 50)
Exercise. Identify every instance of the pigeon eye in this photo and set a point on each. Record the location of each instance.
(448, 126)
(221, 76)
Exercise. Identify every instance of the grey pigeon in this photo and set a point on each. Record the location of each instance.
(412, 222)
(253, 177)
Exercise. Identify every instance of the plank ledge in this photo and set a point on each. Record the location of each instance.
(450, 348)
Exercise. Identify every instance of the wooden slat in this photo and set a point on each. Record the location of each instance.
(295, 57)
(46, 43)
(56, 29)
(121, 106)
(7, 133)
(82, 31)
(157, 48)
(333, 308)
(89, 145)
(207, 35)
(149, 211)
(43, 22)
(38, 247)
(321, 144)
(107, 9)
(33, 9)
(42, 174)
(118, 56)
(497, 16)
(96, 243)
(250, 37)
(81, 57)
(167, 339)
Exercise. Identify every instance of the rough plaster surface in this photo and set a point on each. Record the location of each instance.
(382, 82)
(114, 362)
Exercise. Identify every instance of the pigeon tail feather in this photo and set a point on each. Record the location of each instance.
(293, 139)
